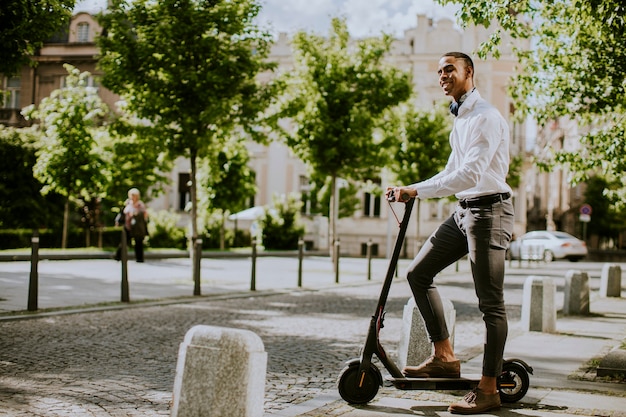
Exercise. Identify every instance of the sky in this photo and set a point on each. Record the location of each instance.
(364, 17)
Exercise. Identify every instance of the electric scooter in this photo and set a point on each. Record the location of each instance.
(360, 380)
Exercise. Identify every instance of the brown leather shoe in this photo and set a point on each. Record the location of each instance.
(476, 402)
(434, 367)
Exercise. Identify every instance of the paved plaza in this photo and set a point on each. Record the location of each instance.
(119, 359)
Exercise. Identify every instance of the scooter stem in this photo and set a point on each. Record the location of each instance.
(372, 343)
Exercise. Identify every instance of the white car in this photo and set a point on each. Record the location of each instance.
(547, 246)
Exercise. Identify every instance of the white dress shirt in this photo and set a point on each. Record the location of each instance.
(479, 161)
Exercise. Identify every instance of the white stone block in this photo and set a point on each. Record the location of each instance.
(576, 293)
(538, 305)
(220, 373)
(611, 281)
(415, 345)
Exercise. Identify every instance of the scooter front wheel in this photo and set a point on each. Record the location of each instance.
(357, 388)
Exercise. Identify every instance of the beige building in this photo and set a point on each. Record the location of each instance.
(278, 171)
(418, 52)
(555, 204)
(32, 84)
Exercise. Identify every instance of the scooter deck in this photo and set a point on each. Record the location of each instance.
(466, 382)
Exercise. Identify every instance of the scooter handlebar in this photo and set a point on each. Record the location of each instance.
(392, 197)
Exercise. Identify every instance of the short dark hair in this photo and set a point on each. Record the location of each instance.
(460, 55)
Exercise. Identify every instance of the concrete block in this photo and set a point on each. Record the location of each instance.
(220, 373)
(576, 292)
(538, 305)
(611, 281)
(415, 345)
(613, 364)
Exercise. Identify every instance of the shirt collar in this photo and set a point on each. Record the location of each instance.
(454, 105)
(466, 95)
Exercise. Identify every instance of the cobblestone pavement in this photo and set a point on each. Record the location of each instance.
(122, 362)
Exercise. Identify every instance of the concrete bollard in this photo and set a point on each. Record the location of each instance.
(415, 345)
(611, 281)
(221, 373)
(576, 300)
(538, 305)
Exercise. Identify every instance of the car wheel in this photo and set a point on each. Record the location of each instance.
(548, 256)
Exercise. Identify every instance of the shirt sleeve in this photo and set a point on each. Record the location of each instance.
(469, 160)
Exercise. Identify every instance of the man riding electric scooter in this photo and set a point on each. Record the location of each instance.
(481, 227)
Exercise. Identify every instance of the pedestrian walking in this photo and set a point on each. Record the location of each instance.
(135, 220)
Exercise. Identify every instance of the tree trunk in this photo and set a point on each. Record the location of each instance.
(223, 231)
(66, 220)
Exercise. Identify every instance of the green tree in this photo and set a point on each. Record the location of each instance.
(585, 84)
(421, 141)
(226, 182)
(138, 159)
(189, 68)
(281, 227)
(69, 160)
(320, 194)
(422, 144)
(22, 203)
(606, 222)
(333, 98)
(25, 26)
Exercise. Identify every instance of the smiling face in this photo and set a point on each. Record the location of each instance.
(455, 76)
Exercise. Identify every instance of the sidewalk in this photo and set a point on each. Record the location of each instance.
(564, 380)
(559, 386)
(96, 279)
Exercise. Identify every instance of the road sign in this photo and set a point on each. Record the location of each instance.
(585, 209)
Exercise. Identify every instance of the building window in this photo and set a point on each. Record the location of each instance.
(82, 32)
(12, 88)
(184, 190)
(371, 202)
(374, 249)
(91, 82)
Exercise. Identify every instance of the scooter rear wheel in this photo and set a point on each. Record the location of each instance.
(356, 388)
(513, 383)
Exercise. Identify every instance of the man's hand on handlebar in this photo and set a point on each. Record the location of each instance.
(400, 194)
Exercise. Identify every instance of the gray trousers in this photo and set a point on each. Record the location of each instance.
(483, 233)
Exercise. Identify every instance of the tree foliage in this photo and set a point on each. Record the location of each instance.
(318, 197)
(69, 160)
(332, 99)
(25, 26)
(138, 159)
(23, 206)
(574, 69)
(226, 182)
(282, 229)
(421, 145)
(188, 68)
(605, 222)
(225, 179)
